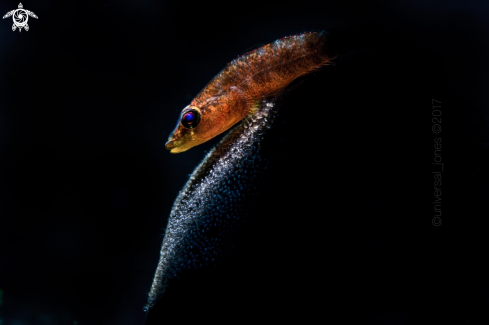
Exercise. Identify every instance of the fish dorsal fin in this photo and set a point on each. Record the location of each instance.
(251, 49)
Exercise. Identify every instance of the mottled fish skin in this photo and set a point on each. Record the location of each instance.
(214, 201)
(262, 73)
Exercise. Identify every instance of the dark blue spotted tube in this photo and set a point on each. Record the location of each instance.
(211, 206)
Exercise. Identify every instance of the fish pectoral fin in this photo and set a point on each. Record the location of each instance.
(255, 106)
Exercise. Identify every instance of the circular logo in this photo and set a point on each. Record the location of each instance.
(20, 17)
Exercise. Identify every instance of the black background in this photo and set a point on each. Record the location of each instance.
(91, 92)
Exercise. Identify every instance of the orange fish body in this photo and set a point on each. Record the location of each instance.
(236, 90)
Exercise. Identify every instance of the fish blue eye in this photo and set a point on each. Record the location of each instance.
(190, 119)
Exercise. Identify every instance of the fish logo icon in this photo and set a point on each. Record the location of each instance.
(20, 17)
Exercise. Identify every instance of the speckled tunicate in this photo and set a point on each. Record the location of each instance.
(211, 205)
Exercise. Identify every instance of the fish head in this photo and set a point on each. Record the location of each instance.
(197, 125)
(187, 133)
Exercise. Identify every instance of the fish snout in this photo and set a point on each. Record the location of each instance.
(170, 145)
(174, 144)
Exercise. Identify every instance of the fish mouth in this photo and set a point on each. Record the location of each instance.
(174, 146)
(171, 145)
